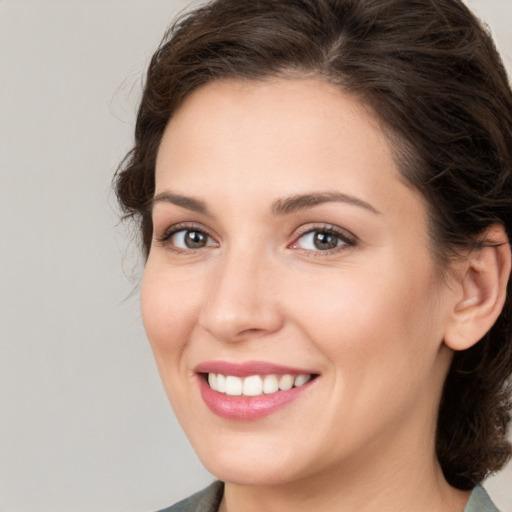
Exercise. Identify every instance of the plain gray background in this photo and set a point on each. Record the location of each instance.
(84, 422)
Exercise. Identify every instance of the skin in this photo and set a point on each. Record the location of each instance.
(369, 317)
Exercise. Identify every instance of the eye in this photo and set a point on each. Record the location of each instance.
(323, 239)
(183, 239)
(190, 239)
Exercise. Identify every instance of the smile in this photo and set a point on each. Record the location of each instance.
(255, 385)
(252, 390)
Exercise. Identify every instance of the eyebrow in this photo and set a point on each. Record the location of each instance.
(280, 206)
(190, 203)
(304, 201)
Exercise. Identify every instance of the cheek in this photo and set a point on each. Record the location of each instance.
(382, 347)
(374, 323)
(168, 313)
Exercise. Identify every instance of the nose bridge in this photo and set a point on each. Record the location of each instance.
(240, 301)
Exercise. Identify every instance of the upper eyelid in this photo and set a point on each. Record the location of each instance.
(348, 240)
(181, 226)
(343, 233)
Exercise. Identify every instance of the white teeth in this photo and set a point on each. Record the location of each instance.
(221, 383)
(300, 380)
(286, 382)
(255, 385)
(212, 380)
(233, 385)
(270, 384)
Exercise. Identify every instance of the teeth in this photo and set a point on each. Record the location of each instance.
(221, 383)
(255, 385)
(300, 380)
(233, 385)
(270, 384)
(286, 382)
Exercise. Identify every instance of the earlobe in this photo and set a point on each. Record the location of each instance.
(481, 291)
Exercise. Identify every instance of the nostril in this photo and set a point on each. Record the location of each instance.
(252, 330)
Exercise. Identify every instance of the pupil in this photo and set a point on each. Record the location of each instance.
(195, 239)
(325, 241)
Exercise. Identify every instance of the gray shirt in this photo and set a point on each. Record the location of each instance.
(208, 500)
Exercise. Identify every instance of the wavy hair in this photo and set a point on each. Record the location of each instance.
(430, 72)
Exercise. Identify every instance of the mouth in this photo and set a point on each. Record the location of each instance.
(250, 391)
(255, 385)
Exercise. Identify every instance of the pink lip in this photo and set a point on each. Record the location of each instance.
(246, 408)
(248, 368)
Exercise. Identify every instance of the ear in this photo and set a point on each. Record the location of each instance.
(481, 290)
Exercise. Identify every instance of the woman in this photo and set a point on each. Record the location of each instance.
(324, 193)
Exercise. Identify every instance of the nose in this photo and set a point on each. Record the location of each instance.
(241, 301)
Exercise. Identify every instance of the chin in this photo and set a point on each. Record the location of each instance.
(250, 475)
(257, 465)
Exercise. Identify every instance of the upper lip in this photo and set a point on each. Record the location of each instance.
(249, 368)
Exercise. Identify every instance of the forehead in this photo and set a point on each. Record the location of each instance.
(275, 99)
(257, 119)
(278, 138)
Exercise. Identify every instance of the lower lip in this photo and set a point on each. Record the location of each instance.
(246, 408)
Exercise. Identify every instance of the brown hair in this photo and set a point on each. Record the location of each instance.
(432, 75)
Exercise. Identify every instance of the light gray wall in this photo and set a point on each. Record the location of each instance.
(84, 423)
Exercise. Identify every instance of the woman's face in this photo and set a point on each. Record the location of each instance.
(288, 249)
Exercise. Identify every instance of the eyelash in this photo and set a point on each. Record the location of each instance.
(347, 239)
(164, 239)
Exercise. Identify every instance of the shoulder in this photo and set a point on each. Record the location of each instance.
(207, 500)
(480, 502)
